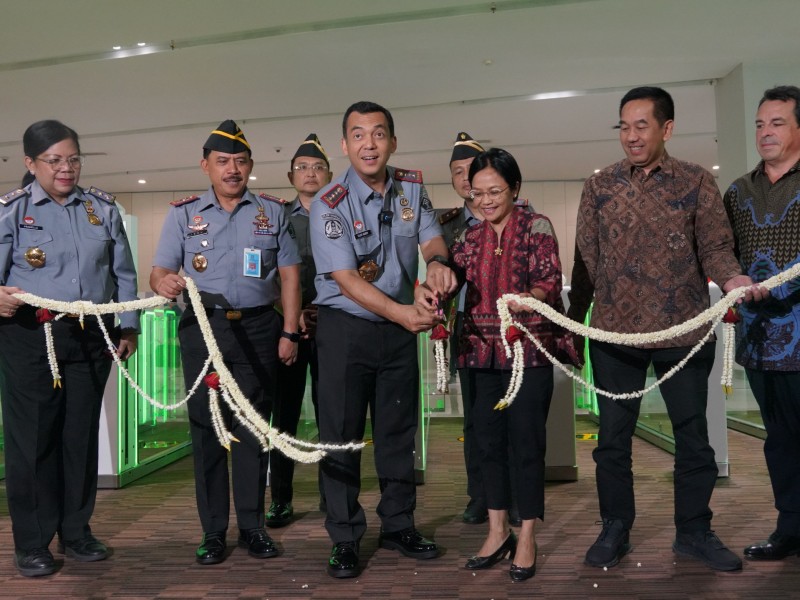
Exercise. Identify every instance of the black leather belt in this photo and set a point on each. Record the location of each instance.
(237, 314)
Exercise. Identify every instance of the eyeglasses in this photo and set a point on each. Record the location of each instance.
(317, 168)
(491, 194)
(74, 162)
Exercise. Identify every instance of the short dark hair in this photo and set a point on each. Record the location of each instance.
(663, 106)
(785, 93)
(43, 134)
(365, 107)
(501, 161)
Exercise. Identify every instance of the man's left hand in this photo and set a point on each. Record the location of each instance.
(441, 279)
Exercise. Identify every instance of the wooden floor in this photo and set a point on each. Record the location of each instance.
(153, 529)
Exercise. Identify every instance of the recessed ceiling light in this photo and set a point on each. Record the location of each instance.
(252, 177)
(140, 44)
(597, 170)
(715, 167)
(142, 181)
(116, 47)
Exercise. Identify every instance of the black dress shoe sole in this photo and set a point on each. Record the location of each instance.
(212, 560)
(773, 557)
(342, 573)
(624, 549)
(474, 519)
(70, 553)
(277, 523)
(34, 572)
(423, 555)
(268, 554)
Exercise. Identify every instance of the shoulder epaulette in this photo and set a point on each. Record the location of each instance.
(334, 195)
(450, 215)
(523, 202)
(98, 193)
(272, 198)
(406, 175)
(183, 201)
(8, 198)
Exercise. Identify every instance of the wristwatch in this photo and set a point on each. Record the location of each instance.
(292, 337)
(438, 258)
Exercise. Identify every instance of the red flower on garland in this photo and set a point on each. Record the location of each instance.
(43, 315)
(732, 316)
(513, 334)
(440, 333)
(212, 380)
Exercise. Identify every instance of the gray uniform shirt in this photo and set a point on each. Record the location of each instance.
(83, 261)
(199, 225)
(298, 221)
(345, 232)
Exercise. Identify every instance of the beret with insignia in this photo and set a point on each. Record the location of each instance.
(407, 175)
(264, 196)
(183, 201)
(11, 196)
(227, 138)
(312, 148)
(465, 147)
(334, 195)
(100, 194)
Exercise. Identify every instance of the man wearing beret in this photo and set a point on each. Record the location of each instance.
(310, 170)
(234, 245)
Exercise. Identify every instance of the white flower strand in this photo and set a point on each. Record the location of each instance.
(135, 386)
(714, 315)
(728, 335)
(261, 429)
(441, 367)
(249, 416)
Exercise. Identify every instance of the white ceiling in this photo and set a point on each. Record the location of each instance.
(283, 69)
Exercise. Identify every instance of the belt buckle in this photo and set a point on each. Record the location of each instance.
(233, 315)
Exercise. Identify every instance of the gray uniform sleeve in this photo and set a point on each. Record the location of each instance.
(123, 270)
(169, 253)
(288, 253)
(331, 239)
(428, 223)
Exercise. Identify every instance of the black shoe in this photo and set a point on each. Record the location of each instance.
(777, 547)
(409, 542)
(507, 548)
(35, 562)
(212, 549)
(257, 542)
(612, 544)
(86, 549)
(706, 546)
(475, 513)
(279, 514)
(344, 560)
(519, 574)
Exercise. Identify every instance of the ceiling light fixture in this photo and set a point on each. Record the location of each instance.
(715, 167)
(140, 44)
(116, 47)
(142, 181)
(252, 177)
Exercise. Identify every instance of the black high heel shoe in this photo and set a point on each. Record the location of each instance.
(519, 574)
(507, 548)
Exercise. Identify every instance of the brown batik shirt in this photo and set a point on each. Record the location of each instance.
(650, 241)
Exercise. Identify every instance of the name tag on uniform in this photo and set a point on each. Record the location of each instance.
(252, 262)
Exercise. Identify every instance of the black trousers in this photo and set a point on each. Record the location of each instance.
(286, 414)
(778, 397)
(513, 440)
(250, 350)
(50, 434)
(364, 363)
(623, 369)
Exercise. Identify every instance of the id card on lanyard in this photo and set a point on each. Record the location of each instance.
(252, 262)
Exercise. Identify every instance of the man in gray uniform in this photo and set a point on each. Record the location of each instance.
(366, 230)
(454, 223)
(310, 170)
(234, 245)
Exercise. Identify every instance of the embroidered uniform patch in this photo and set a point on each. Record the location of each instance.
(334, 195)
(333, 226)
(408, 175)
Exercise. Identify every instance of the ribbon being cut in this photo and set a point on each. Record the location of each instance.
(513, 333)
(219, 383)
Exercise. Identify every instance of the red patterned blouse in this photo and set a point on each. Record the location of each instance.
(525, 256)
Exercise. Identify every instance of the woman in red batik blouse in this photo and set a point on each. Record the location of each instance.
(512, 251)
